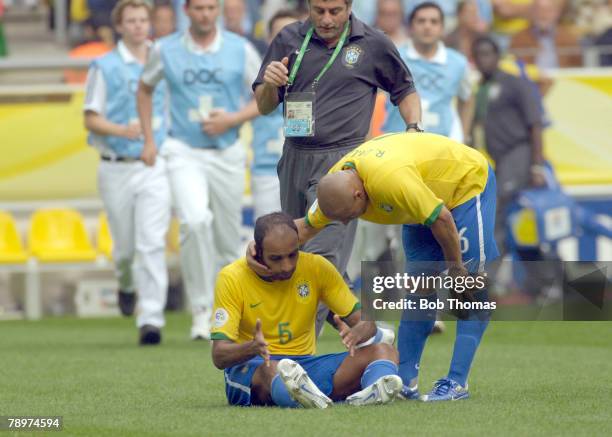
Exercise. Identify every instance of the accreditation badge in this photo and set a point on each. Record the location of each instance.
(299, 118)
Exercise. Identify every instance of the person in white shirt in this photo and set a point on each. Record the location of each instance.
(208, 71)
(136, 196)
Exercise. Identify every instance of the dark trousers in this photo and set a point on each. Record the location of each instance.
(299, 171)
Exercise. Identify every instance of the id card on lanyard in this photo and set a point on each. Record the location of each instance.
(299, 120)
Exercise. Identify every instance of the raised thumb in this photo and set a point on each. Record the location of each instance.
(285, 61)
(339, 322)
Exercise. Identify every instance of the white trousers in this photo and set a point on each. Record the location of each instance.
(266, 194)
(371, 241)
(207, 187)
(137, 203)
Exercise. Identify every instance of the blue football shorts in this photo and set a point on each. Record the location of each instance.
(321, 369)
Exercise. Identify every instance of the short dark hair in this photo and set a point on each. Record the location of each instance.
(348, 2)
(283, 13)
(267, 222)
(485, 39)
(425, 5)
(189, 1)
(162, 4)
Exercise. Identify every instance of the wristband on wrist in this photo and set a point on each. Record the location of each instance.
(414, 126)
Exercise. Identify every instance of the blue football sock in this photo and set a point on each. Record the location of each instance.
(415, 327)
(376, 370)
(469, 334)
(280, 395)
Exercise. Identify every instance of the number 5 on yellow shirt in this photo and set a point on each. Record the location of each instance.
(284, 334)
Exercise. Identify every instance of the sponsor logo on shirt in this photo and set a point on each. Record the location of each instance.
(202, 76)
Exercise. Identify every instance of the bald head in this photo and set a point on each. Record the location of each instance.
(342, 196)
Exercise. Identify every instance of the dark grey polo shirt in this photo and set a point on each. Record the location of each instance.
(346, 94)
(512, 110)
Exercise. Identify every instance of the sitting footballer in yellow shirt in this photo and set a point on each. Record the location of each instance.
(444, 194)
(264, 330)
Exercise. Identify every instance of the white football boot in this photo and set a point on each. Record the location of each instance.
(300, 386)
(383, 391)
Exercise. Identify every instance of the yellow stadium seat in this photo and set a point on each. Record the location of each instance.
(11, 249)
(59, 235)
(105, 241)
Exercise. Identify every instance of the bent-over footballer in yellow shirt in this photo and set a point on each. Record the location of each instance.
(408, 178)
(264, 330)
(444, 195)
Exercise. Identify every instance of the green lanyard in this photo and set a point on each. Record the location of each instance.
(331, 60)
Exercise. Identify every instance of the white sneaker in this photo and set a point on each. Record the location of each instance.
(383, 391)
(300, 386)
(200, 327)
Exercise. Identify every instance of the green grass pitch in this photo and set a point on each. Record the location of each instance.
(532, 378)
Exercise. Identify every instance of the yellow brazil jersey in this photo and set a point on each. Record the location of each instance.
(287, 309)
(409, 176)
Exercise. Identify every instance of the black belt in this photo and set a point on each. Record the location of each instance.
(118, 158)
(351, 143)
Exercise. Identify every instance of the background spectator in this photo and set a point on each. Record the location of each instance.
(164, 20)
(440, 75)
(592, 17)
(508, 125)
(449, 8)
(509, 17)
(235, 20)
(270, 7)
(469, 25)
(546, 43)
(594, 20)
(100, 11)
(390, 19)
